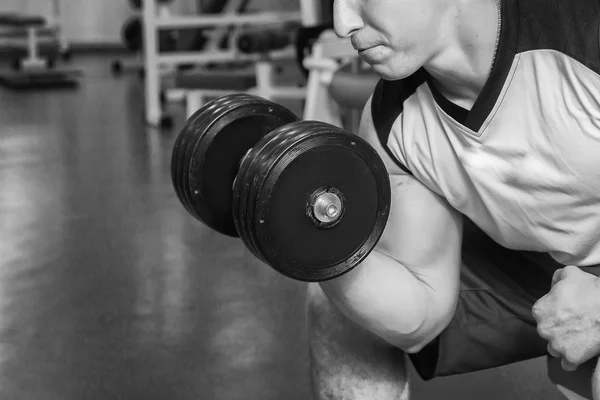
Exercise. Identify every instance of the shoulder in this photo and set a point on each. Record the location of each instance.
(389, 98)
(383, 109)
(567, 27)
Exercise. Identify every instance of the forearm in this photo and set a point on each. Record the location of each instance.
(387, 299)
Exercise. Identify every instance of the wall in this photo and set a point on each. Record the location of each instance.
(100, 21)
(88, 21)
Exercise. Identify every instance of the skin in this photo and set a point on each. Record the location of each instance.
(568, 318)
(453, 40)
(413, 271)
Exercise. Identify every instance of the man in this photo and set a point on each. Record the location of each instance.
(488, 119)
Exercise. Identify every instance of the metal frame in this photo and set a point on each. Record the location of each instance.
(57, 24)
(328, 54)
(153, 22)
(311, 12)
(265, 88)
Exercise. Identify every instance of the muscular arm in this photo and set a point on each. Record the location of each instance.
(406, 290)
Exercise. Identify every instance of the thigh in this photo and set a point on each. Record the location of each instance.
(493, 324)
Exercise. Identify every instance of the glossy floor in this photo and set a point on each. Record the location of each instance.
(109, 289)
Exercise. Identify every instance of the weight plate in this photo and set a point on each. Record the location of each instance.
(240, 189)
(248, 179)
(206, 118)
(210, 161)
(208, 154)
(263, 160)
(180, 142)
(256, 178)
(193, 129)
(324, 162)
(222, 148)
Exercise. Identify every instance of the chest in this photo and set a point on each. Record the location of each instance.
(529, 176)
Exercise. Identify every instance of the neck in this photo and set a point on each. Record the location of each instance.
(462, 66)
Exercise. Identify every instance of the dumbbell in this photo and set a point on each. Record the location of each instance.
(132, 36)
(263, 41)
(307, 198)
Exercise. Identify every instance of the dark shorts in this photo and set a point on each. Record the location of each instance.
(493, 324)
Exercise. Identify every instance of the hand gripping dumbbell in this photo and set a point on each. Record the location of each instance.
(307, 198)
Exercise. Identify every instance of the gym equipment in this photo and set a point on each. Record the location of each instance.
(316, 13)
(259, 80)
(337, 81)
(153, 58)
(47, 39)
(307, 198)
(218, 38)
(264, 40)
(31, 24)
(34, 72)
(33, 80)
(131, 36)
(304, 42)
(197, 86)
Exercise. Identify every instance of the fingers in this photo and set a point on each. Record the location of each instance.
(566, 365)
(553, 352)
(562, 273)
(557, 276)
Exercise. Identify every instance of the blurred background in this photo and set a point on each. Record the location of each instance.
(109, 289)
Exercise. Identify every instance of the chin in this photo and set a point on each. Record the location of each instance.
(393, 71)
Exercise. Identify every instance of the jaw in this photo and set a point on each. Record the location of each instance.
(398, 66)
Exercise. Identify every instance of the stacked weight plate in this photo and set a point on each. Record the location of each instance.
(307, 198)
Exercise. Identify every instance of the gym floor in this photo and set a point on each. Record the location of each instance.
(109, 289)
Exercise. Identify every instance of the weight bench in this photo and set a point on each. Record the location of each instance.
(258, 80)
(33, 72)
(198, 88)
(200, 85)
(32, 24)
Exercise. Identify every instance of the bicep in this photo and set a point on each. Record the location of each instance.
(422, 229)
(423, 233)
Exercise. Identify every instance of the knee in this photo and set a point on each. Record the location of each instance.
(326, 322)
(323, 316)
(318, 307)
(315, 296)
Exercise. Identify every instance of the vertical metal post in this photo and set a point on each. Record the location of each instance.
(311, 15)
(152, 78)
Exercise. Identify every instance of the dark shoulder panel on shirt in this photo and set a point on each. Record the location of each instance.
(388, 103)
(568, 26)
